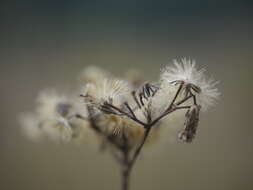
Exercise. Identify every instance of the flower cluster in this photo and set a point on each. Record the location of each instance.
(55, 118)
(122, 116)
(119, 109)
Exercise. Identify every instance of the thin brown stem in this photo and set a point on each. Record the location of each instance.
(175, 97)
(125, 173)
(172, 109)
(126, 114)
(194, 99)
(127, 163)
(136, 100)
(184, 100)
(138, 150)
(130, 109)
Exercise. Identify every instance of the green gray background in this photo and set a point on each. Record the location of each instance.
(45, 44)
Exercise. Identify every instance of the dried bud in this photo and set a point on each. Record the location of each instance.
(191, 124)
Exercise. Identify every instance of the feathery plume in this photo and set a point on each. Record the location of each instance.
(109, 90)
(193, 81)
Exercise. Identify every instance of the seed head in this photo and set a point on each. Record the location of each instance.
(193, 81)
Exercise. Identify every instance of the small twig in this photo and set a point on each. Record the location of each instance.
(126, 114)
(182, 107)
(135, 99)
(141, 99)
(194, 99)
(172, 107)
(125, 173)
(138, 150)
(130, 109)
(175, 97)
(184, 100)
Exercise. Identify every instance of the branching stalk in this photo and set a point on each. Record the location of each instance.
(127, 161)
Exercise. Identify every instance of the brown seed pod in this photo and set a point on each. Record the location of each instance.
(191, 124)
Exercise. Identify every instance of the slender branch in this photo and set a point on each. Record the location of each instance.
(141, 99)
(138, 150)
(161, 116)
(194, 98)
(149, 123)
(135, 99)
(125, 172)
(172, 109)
(175, 97)
(128, 163)
(130, 109)
(184, 100)
(182, 107)
(126, 114)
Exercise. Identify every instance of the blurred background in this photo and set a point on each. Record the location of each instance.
(46, 44)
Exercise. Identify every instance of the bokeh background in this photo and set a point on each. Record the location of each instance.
(46, 43)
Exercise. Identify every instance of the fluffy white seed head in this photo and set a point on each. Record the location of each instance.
(186, 73)
(36, 129)
(52, 117)
(49, 104)
(108, 90)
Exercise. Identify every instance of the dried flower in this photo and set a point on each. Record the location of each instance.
(193, 81)
(50, 104)
(122, 116)
(191, 124)
(54, 118)
(109, 90)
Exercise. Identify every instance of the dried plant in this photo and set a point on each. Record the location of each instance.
(119, 115)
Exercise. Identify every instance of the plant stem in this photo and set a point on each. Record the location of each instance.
(125, 173)
(125, 179)
(128, 163)
(138, 150)
(128, 160)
